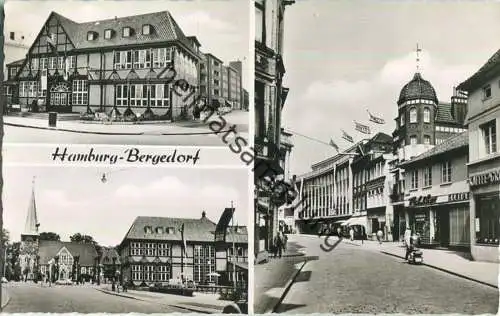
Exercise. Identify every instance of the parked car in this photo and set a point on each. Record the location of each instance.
(64, 282)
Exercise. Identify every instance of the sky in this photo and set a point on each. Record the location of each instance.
(74, 199)
(221, 26)
(355, 56)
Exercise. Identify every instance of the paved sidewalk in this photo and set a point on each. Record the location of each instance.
(176, 128)
(445, 260)
(5, 297)
(200, 302)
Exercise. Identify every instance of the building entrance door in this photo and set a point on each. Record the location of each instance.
(443, 228)
(59, 98)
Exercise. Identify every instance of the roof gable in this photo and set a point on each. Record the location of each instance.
(48, 249)
(483, 74)
(195, 230)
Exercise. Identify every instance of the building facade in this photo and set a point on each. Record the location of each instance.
(153, 252)
(270, 96)
(15, 49)
(437, 195)
(55, 260)
(423, 122)
(211, 80)
(123, 66)
(483, 120)
(237, 95)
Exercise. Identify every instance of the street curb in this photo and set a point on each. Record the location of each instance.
(445, 270)
(196, 309)
(109, 133)
(287, 288)
(4, 292)
(119, 294)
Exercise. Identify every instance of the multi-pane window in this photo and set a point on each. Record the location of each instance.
(161, 56)
(41, 93)
(123, 60)
(34, 64)
(32, 88)
(126, 32)
(72, 62)
(159, 95)
(149, 272)
(23, 88)
(427, 176)
(138, 95)
(60, 63)
(121, 94)
(163, 250)
(414, 179)
(204, 263)
(150, 249)
(427, 115)
(446, 172)
(413, 115)
(108, 34)
(12, 72)
(43, 63)
(136, 273)
(489, 133)
(135, 249)
(80, 92)
(142, 58)
(52, 62)
(163, 273)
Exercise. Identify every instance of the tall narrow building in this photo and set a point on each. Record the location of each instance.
(30, 240)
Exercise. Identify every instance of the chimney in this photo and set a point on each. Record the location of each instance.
(203, 214)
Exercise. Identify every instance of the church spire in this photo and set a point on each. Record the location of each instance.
(31, 226)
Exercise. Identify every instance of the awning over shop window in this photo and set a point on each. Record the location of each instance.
(353, 221)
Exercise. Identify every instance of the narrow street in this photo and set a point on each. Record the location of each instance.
(26, 298)
(351, 279)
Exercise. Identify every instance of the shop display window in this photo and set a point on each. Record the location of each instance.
(487, 221)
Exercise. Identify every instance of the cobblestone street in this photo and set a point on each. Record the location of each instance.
(351, 279)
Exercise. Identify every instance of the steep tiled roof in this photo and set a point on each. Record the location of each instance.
(482, 74)
(444, 113)
(16, 63)
(238, 234)
(108, 254)
(454, 142)
(48, 249)
(165, 29)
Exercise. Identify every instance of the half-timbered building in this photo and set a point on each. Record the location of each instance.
(123, 66)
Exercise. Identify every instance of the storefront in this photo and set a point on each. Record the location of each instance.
(441, 220)
(485, 215)
(376, 221)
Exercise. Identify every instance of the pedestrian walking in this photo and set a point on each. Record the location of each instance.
(285, 240)
(339, 233)
(351, 234)
(279, 244)
(380, 236)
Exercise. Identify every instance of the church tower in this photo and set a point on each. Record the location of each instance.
(415, 124)
(29, 240)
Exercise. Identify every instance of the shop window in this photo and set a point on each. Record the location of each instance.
(487, 219)
(413, 140)
(489, 133)
(446, 172)
(427, 140)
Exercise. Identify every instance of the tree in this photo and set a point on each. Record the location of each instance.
(5, 236)
(50, 236)
(84, 239)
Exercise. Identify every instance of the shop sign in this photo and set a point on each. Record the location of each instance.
(455, 197)
(486, 178)
(422, 200)
(420, 217)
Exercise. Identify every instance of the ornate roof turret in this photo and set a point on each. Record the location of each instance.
(417, 88)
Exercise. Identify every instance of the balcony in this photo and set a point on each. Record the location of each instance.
(396, 196)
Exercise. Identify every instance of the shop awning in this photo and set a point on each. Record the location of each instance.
(353, 221)
(340, 222)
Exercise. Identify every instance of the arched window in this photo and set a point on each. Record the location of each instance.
(427, 115)
(402, 119)
(413, 115)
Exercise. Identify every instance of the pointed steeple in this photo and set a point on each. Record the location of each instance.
(31, 226)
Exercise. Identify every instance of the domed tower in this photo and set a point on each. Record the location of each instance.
(417, 106)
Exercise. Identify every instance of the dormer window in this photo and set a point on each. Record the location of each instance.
(127, 31)
(91, 36)
(108, 34)
(159, 230)
(146, 29)
(170, 230)
(148, 229)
